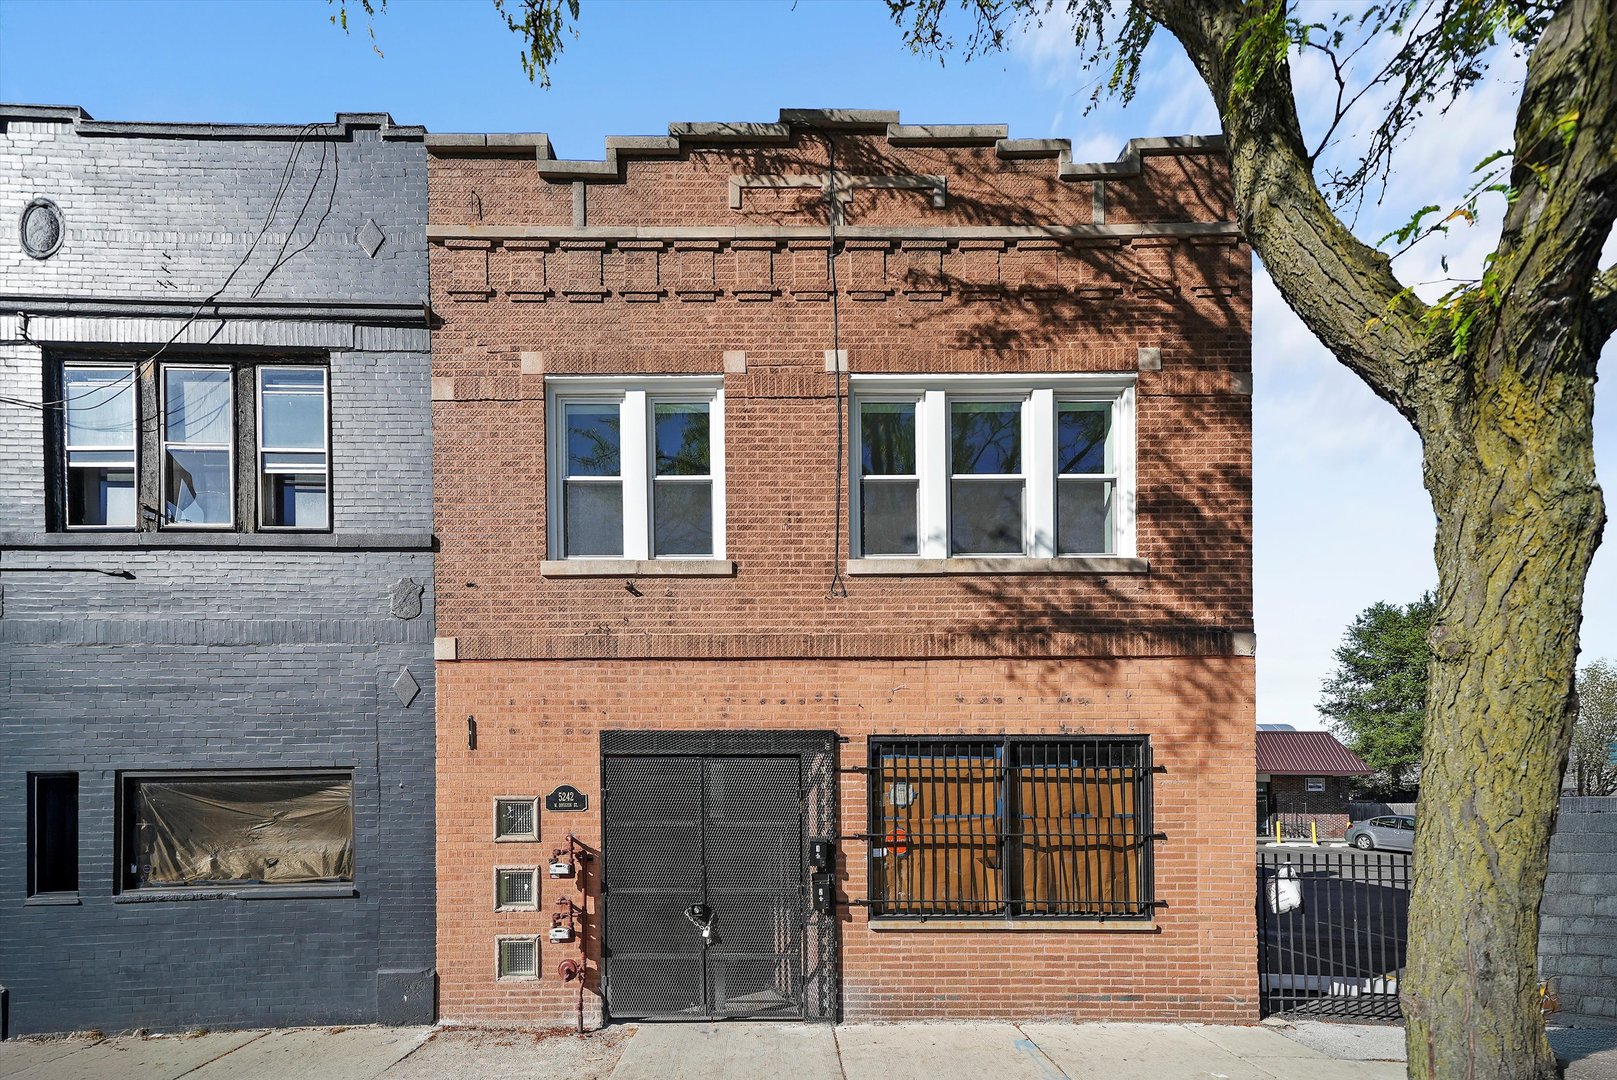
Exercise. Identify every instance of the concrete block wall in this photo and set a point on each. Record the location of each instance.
(221, 651)
(1577, 944)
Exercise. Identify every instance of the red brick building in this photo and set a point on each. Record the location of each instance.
(842, 480)
(1305, 781)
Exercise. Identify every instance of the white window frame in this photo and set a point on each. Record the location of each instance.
(515, 838)
(532, 872)
(325, 446)
(1313, 785)
(857, 460)
(132, 388)
(635, 397)
(1040, 395)
(163, 444)
(499, 972)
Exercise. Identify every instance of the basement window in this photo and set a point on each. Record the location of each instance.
(53, 834)
(636, 468)
(516, 958)
(194, 831)
(516, 889)
(1011, 828)
(516, 819)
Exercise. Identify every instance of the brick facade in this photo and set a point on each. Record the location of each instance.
(201, 652)
(1577, 945)
(690, 255)
(1297, 807)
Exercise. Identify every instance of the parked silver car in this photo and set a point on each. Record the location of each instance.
(1392, 833)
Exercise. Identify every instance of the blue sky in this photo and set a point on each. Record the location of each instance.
(1342, 519)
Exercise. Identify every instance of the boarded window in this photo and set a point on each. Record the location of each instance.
(284, 830)
(1011, 828)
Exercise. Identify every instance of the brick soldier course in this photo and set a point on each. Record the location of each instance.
(958, 253)
(198, 653)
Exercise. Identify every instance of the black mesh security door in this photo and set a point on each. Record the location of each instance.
(754, 851)
(653, 866)
(707, 907)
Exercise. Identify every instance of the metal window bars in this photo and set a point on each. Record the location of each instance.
(1011, 828)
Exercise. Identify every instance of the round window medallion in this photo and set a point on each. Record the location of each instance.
(42, 228)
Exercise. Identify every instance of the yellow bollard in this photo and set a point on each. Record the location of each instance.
(1313, 832)
(1277, 831)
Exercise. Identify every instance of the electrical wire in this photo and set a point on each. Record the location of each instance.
(141, 367)
(838, 589)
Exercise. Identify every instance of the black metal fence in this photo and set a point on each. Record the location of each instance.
(1333, 930)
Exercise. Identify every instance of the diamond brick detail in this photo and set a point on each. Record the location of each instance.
(406, 687)
(370, 237)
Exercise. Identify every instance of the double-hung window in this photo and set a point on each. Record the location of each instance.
(974, 467)
(1020, 828)
(192, 444)
(198, 409)
(1086, 477)
(987, 488)
(292, 448)
(636, 468)
(100, 445)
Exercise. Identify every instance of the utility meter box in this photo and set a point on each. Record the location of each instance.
(824, 892)
(561, 933)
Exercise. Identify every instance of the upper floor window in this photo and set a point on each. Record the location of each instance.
(100, 446)
(166, 445)
(198, 432)
(292, 448)
(636, 468)
(988, 467)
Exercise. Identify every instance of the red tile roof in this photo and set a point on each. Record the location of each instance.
(1307, 753)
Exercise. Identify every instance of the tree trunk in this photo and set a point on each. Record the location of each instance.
(1510, 467)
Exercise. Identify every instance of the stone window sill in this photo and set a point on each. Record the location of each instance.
(637, 568)
(1083, 564)
(244, 892)
(1135, 926)
(60, 899)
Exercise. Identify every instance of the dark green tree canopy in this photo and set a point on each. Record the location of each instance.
(1376, 697)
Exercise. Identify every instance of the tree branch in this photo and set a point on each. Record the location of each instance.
(1565, 173)
(1343, 289)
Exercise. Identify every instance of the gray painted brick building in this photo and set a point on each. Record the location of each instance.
(1577, 943)
(216, 671)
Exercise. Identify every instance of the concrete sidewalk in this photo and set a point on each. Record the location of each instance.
(749, 1051)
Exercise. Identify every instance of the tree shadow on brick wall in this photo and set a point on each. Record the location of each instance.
(1192, 298)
